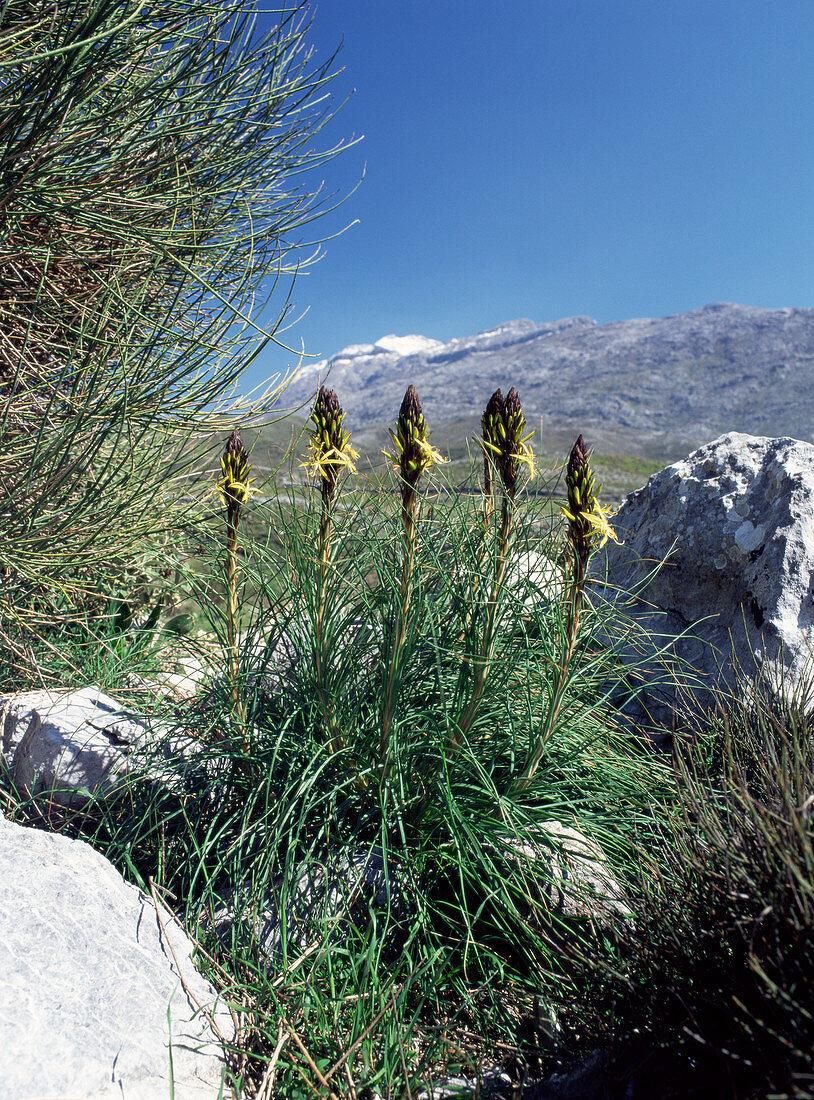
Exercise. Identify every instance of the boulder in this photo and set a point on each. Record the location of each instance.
(534, 579)
(64, 749)
(70, 745)
(93, 1002)
(192, 672)
(733, 524)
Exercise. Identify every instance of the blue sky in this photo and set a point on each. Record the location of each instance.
(546, 158)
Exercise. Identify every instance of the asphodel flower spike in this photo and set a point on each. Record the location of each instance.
(329, 449)
(587, 518)
(503, 425)
(234, 487)
(329, 452)
(235, 484)
(413, 454)
(492, 416)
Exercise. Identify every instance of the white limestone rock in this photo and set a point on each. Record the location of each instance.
(70, 745)
(735, 521)
(191, 675)
(88, 976)
(535, 579)
(64, 749)
(579, 884)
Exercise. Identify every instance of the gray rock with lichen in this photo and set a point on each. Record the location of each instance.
(734, 524)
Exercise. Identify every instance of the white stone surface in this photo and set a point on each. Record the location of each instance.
(534, 578)
(581, 885)
(68, 744)
(87, 978)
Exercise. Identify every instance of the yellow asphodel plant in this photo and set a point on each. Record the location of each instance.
(412, 457)
(588, 530)
(329, 454)
(234, 487)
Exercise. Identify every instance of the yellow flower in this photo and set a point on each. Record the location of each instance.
(329, 449)
(428, 456)
(413, 454)
(235, 485)
(230, 489)
(320, 459)
(503, 424)
(526, 456)
(596, 517)
(523, 457)
(597, 520)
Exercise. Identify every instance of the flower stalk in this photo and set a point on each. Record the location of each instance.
(329, 453)
(588, 530)
(234, 488)
(506, 450)
(412, 457)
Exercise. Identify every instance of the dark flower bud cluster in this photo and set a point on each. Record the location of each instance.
(503, 425)
(493, 414)
(329, 446)
(587, 519)
(411, 439)
(234, 484)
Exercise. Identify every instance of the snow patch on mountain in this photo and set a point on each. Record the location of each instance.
(406, 345)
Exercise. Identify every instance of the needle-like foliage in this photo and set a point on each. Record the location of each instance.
(152, 160)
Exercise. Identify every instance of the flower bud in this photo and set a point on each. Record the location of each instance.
(329, 448)
(503, 425)
(413, 453)
(233, 486)
(587, 519)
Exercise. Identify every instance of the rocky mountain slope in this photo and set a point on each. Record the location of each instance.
(653, 387)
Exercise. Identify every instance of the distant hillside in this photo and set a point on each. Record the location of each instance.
(649, 387)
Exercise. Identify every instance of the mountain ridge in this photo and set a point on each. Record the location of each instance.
(656, 386)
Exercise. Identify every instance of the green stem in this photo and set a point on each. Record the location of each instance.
(233, 664)
(408, 558)
(482, 660)
(336, 741)
(571, 632)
